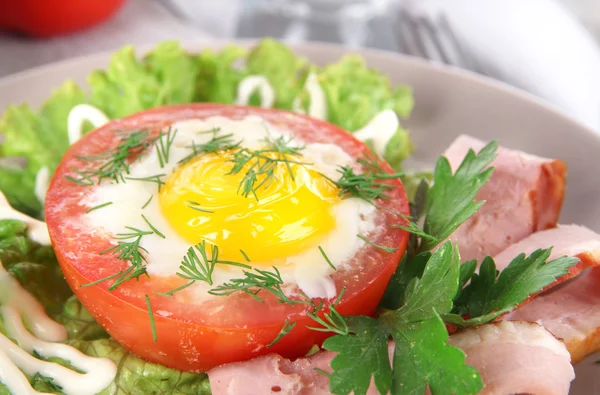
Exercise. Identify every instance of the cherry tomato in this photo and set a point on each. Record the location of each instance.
(47, 18)
(198, 336)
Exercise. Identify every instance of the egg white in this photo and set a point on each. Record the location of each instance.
(308, 270)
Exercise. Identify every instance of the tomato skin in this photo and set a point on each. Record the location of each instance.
(47, 18)
(197, 337)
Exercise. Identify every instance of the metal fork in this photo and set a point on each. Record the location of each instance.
(433, 39)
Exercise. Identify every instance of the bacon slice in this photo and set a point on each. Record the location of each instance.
(512, 357)
(571, 312)
(272, 374)
(517, 358)
(524, 195)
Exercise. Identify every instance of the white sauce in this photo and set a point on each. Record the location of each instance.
(318, 100)
(16, 303)
(379, 130)
(42, 179)
(78, 115)
(38, 231)
(251, 84)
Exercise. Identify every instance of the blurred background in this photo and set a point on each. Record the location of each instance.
(547, 47)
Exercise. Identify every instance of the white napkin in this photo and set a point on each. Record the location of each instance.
(536, 45)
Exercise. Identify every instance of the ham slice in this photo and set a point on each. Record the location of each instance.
(517, 358)
(272, 374)
(523, 196)
(569, 240)
(571, 312)
(512, 357)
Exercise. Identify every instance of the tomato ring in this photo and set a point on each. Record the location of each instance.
(197, 337)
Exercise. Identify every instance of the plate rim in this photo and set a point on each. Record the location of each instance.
(367, 53)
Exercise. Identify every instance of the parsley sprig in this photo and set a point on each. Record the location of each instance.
(490, 293)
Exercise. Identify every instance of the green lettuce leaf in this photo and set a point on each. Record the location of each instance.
(170, 75)
(36, 268)
(218, 76)
(356, 93)
(36, 139)
(138, 377)
(285, 71)
(166, 75)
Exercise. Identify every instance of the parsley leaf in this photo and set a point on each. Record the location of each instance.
(361, 355)
(491, 294)
(450, 198)
(422, 356)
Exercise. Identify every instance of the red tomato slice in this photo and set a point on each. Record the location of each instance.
(198, 336)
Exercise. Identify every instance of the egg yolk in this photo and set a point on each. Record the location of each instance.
(202, 200)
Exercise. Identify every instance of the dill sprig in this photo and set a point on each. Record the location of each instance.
(128, 249)
(163, 146)
(154, 178)
(333, 322)
(128, 246)
(263, 163)
(217, 143)
(287, 328)
(254, 282)
(114, 163)
(367, 186)
(196, 267)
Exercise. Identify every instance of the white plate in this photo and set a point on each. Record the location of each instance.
(448, 102)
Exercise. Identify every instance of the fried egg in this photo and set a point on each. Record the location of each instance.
(290, 220)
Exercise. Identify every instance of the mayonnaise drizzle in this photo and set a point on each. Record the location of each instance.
(17, 305)
(99, 372)
(78, 115)
(379, 130)
(42, 179)
(38, 231)
(318, 100)
(252, 83)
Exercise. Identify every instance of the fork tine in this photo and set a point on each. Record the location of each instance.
(405, 36)
(467, 60)
(435, 39)
(418, 37)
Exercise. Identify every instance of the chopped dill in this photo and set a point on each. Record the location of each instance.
(384, 248)
(327, 258)
(151, 315)
(287, 328)
(163, 147)
(196, 206)
(156, 231)
(245, 256)
(98, 206)
(113, 163)
(147, 202)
